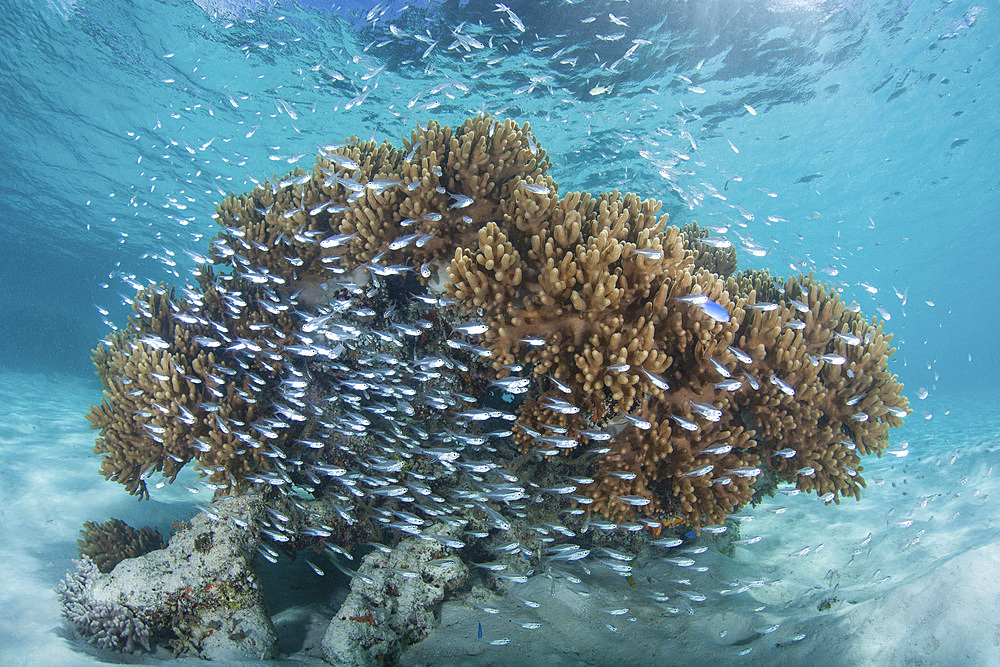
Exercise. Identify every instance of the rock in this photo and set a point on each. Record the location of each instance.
(394, 601)
(200, 588)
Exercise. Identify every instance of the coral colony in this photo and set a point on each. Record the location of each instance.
(430, 347)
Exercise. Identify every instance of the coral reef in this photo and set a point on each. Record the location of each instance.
(633, 332)
(826, 397)
(433, 350)
(433, 335)
(714, 253)
(109, 543)
(170, 393)
(595, 295)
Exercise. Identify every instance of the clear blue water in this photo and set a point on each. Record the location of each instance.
(873, 146)
(880, 118)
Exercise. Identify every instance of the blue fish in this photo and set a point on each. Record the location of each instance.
(714, 310)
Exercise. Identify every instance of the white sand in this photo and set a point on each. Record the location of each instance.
(910, 575)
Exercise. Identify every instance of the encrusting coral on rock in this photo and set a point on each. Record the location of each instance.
(198, 594)
(434, 334)
(392, 602)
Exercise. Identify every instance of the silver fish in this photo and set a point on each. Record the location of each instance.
(740, 355)
(728, 385)
(635, 501)
(719, 368)
(536, 189)
(782, 385)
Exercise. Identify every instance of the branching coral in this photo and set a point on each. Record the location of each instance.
(111, 542)
(109, 626)
(826, 396)
(648, 367)
(182, 382)
(714, 253)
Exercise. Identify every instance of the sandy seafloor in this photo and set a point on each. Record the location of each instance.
(909, 575)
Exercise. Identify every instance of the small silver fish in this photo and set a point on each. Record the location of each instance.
(716, 242)
(748, 471)
(799, 306)
(559, 441)
(719, 368)
(461, 201)
(848, 338)
(684, 423)
(667, 542)
(649, 253)
(740, 355)
(335, 241)
(536, 189)
(834, 359)
(709, 412)
(562, 407)
(403, 241)
(381, 184)
(533, 342)
(471, 328)
(635, 501)
(343, 161)
(729, 385)
(638, 422)
(513, 384)
(560, 386)
(656, 380)
(492, 567)
(714, 311)
(782, 385)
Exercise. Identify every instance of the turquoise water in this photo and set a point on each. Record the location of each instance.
(856, 140)
(878, 118)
